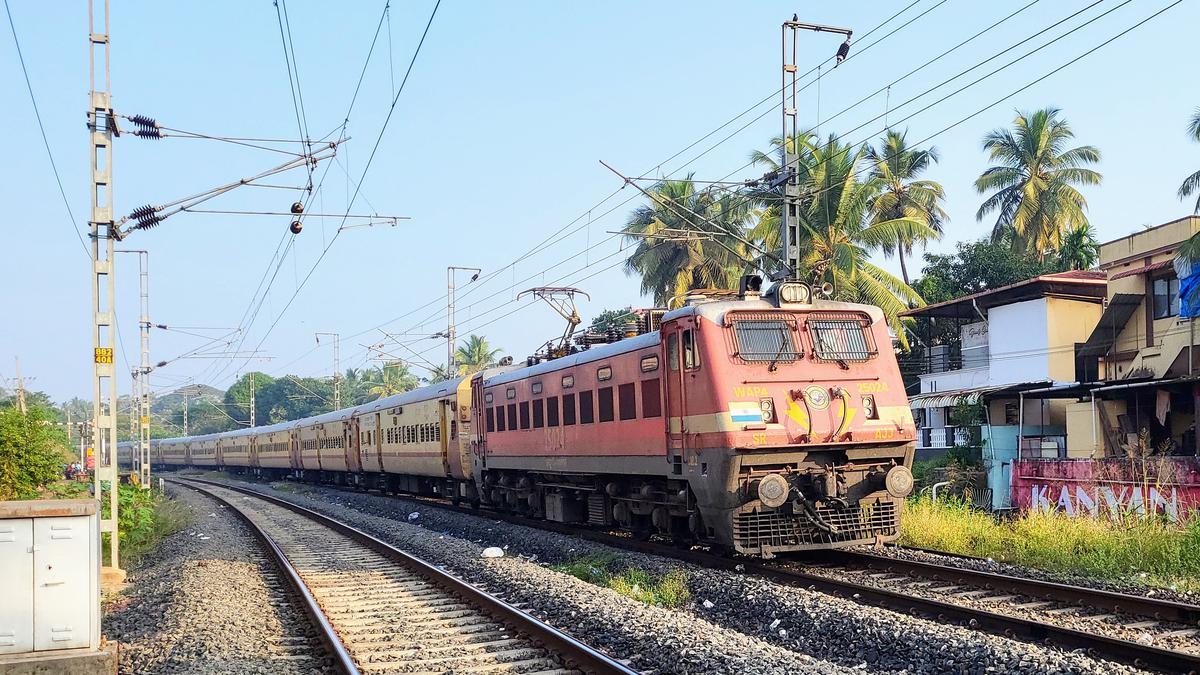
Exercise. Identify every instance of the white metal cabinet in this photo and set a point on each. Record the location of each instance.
(16, 571)
(62, 593)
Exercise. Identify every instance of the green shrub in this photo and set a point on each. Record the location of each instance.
(1144, 549)
(32, 452)
(144, 518)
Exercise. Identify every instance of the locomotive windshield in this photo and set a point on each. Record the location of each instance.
(765, 337)
(841, 337)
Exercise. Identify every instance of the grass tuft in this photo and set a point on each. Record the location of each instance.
(1146, 550)
(668, 590)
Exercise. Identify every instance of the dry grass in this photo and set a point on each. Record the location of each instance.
(1147, 550)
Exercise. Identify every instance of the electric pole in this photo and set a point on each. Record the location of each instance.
(337, 368)
(451, 361)
(102, 128)
(790, 213)
(251, 398)
(20, 387)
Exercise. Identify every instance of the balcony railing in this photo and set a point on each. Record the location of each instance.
(947, 437)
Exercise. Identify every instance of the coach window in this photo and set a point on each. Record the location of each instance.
(673, 351)
(651, 398)
(499, 418)
(551, 411)
(524, 408)
(605, 395)
(568, 415)
(539, 413)
(453, 429)
(586, 410)
(627, 401)
(491, 419)
(512, 416)
(691, 357)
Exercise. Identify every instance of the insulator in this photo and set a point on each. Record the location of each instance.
(146, 127)
(146, 217)
(297, 208)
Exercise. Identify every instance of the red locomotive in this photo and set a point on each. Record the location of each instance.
(759, 424)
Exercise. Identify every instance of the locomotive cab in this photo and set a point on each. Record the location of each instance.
(790, 427)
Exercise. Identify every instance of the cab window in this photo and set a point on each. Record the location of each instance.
(673, 351)
(691, 357)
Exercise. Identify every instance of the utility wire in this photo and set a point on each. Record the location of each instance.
(41, 127)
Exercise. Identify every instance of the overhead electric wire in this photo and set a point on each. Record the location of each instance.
(565, 232)
(293, 84)
(282, 250)
(366, 168)
(42, 128)
(1035, 81)
(868, 168)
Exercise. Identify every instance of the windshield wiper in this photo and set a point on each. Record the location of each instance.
(775, 361)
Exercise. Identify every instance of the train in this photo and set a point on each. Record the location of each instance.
(761, 422)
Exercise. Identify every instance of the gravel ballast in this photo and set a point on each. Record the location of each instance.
(733, 623)
(207, 600)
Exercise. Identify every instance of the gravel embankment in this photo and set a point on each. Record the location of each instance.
(1131, 585)
(734, 622)
(207, 601)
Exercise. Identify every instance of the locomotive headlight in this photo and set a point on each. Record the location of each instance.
(767, 405)
(869, 409)
(793, 292)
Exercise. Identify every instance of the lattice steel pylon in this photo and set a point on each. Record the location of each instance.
(562, 300)
(102, 127)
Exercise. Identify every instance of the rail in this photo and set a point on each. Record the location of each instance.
(572, 652)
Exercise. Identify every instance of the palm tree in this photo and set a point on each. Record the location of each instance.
(1033, 181)
(1192, 183)
(897, 166)
(393, 378)
(839, 231)
(684, 240)
(1080, 250)
(475, 355)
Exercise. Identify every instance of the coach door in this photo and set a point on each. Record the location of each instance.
(352, 446)
(676, 335)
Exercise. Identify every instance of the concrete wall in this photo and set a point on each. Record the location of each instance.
(955, 379)
(1067, 323)
(1019, 339)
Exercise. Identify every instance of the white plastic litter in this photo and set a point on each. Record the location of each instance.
(775, 624)
(493, 552)
(414, 515)
(708, 604)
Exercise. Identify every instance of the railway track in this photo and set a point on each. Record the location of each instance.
(1015, 607)
(381, 610)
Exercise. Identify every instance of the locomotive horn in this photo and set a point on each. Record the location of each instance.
(826, 289)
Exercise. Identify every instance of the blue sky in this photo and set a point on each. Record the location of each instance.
(494, 146)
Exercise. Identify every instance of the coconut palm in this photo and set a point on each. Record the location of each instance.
(1033, 181)
(1080, 249)
(1192, 183)
(904, 195)
(475, 355)
(839, 232)
(685, 240)
(393, 378)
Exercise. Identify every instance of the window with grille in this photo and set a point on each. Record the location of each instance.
(841, 337)
(765, 337)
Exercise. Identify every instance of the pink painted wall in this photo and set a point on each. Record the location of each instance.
(1169, 486)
